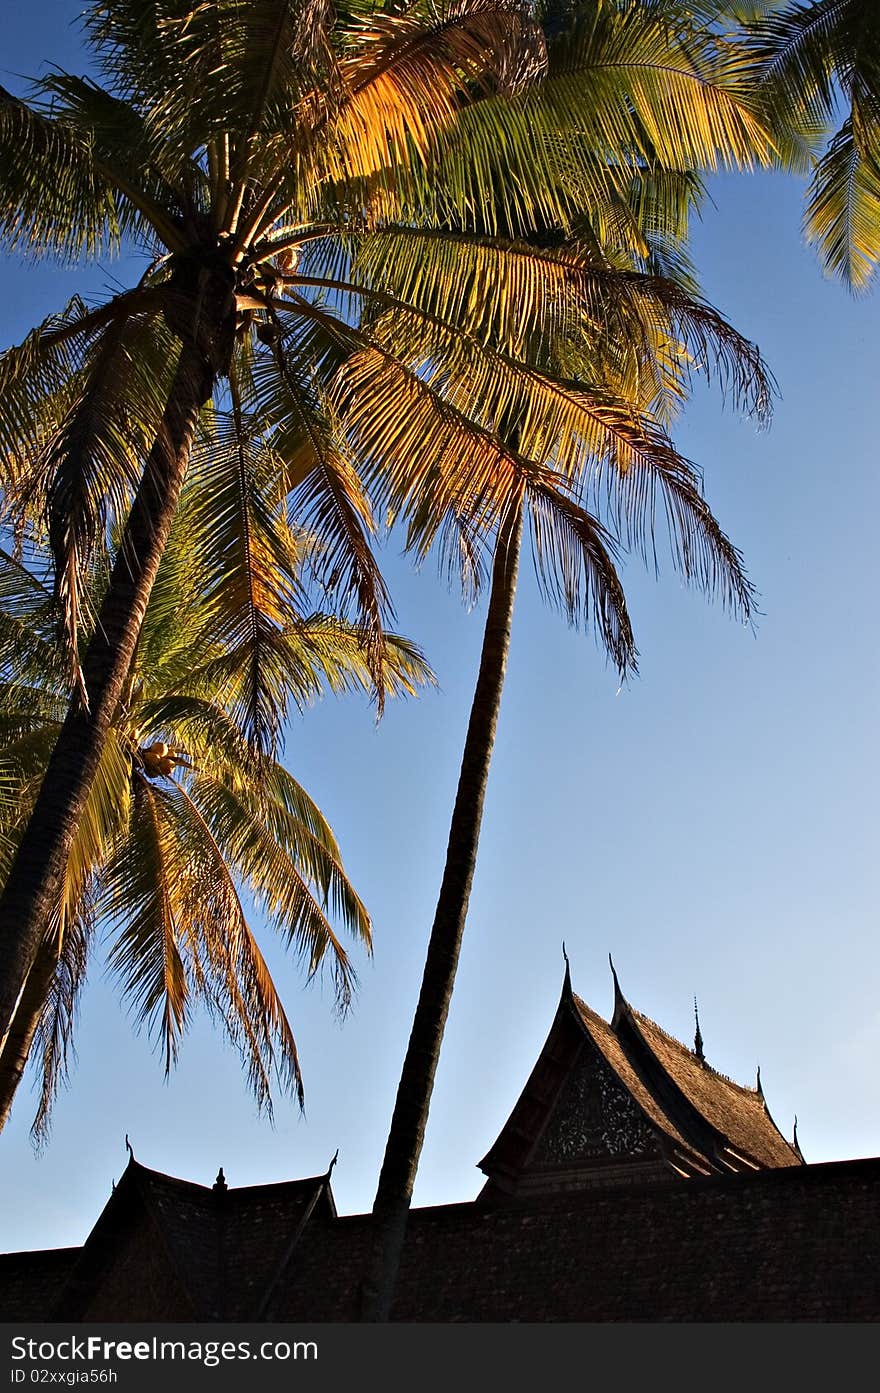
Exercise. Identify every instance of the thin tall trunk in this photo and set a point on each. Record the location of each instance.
(20, 1037)
(410, 1116)
(35, 878)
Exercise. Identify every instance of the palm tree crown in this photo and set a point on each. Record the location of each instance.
(188, 828)
(273, 161)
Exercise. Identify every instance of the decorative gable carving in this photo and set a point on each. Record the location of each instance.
(594, 1118)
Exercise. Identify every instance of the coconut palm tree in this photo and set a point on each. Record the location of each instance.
(259, 154)
(813, 56)
(579, 419)
(602, 429)
(188, 828)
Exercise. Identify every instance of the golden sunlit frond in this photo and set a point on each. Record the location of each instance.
(142, 894)
(812, 57)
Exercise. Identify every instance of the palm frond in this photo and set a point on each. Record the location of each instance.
(140, 889)
(576, 565)
(53, 1048)
(54, 199)
(324, 493)
(409, 72)
(812, 58)
(843, 207)
(276, 853)
(236, 982)
(249, 562)
(94, 461)
(625, 92)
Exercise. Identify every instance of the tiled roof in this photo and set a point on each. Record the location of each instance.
(702, 1121)
(782, 1244)
(261, 1226)
(736, 1111)
(607, 1042)
(725, 1122)
(186, 1217)
(226, 1248)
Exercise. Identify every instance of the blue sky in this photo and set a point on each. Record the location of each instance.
(713, 825)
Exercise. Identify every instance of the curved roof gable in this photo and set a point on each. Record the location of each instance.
(702, 1121)
(739, 1113)
(606, 1041)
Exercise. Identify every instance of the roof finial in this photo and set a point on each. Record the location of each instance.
(758, 1086)
(619, 998)
(795, 1143)
(333, 1163)
(129, 1146)
(220, 1183)
(698, 1039)
(566, 982)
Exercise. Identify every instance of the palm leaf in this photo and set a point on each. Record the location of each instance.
(93, 463)
(236, 983)
(140, 889)
(53, 1047)
(53, 199)
(843, 208)
(249, 562)
(576, 565)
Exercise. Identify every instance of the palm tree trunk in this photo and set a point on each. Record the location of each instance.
(20, 1037)
(410, 1116)
(34, 881)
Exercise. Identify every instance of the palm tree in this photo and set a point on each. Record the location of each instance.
(186, 827)
(596, 422)
(813, 55)
(579, 425)
(264, 155)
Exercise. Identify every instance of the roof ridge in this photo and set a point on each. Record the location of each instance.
(590, 1010)
(704, 1064)
(177, 1182)
(275, 1185)
(148, 1174)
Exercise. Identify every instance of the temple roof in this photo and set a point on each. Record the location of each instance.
(616, 1101)
(734, 1110)
(225, 1250)
(791, 1243)
(605, 1038)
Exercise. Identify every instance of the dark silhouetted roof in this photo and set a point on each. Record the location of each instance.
(30, 1282)
(225, 1249)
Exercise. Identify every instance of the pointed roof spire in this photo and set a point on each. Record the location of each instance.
(220, 1183)
(566, 981)
(332, 1163)
(698, 1038)
(620, 1002)
(795, 1143)
(129, 1147)
(758, 1087)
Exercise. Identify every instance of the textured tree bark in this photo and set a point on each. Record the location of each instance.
(34, 880)
(410, 1115)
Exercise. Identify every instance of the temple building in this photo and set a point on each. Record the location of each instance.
(625, 1103)
(631, 1182)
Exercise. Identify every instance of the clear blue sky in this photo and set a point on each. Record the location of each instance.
(713, 825)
